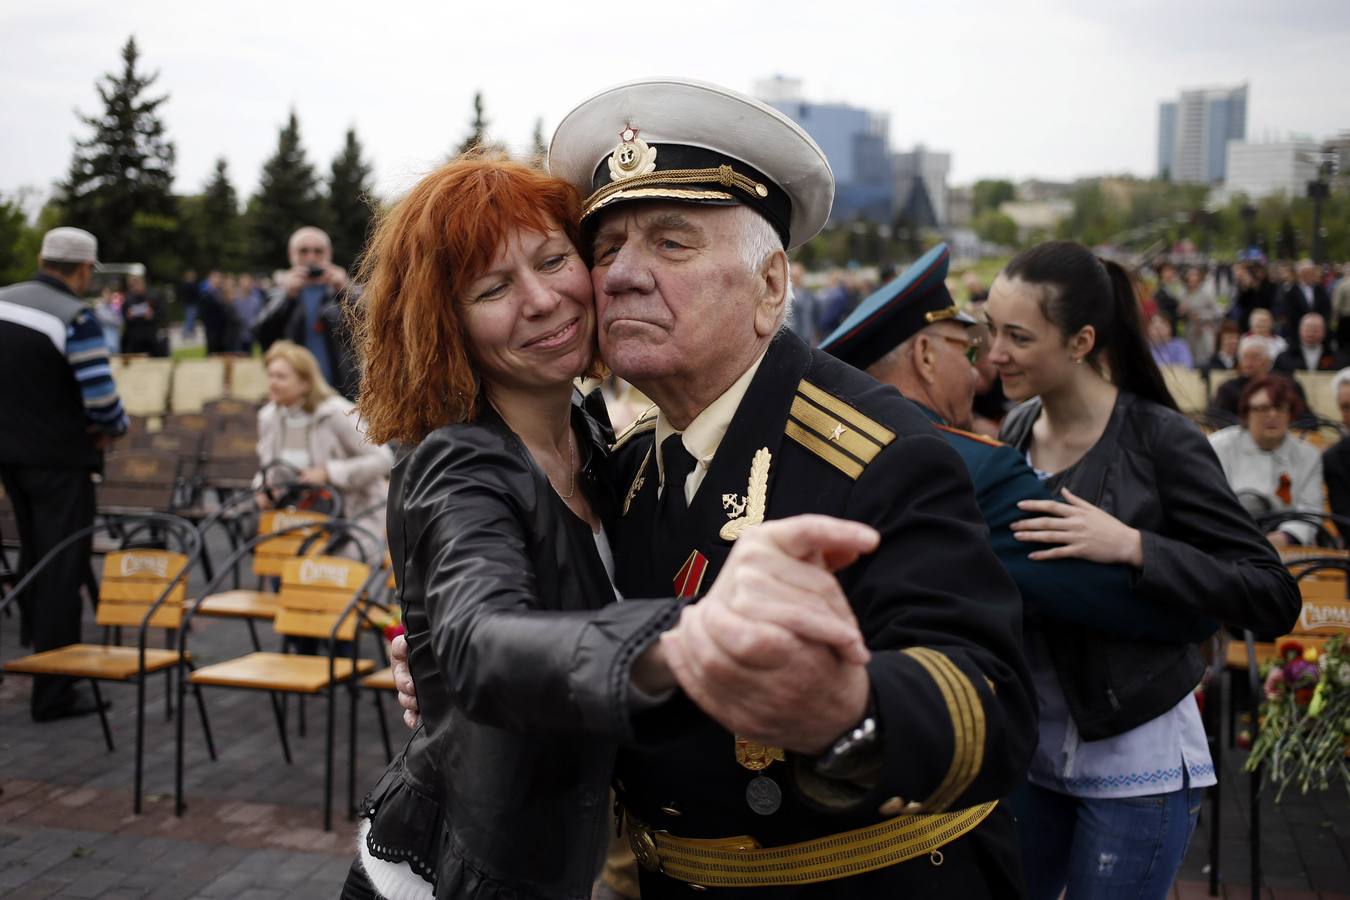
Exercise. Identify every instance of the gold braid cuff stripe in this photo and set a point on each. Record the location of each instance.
(968, 725)
(724, 176)
(741, 862)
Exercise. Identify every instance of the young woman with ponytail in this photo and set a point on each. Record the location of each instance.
(1114, 787)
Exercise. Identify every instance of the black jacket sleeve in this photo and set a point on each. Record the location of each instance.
(470, 522)
(943, 621)
(1212, 558)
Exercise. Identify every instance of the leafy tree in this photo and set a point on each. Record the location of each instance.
(19, 241)
(288, 198)
(349, 201)
(996, 228)
(478, 128)
(120, 182)
(991, 194)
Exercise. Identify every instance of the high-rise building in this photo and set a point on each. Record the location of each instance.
(921, 195)
(1283, 167)
(1194, 131)
(855, 141)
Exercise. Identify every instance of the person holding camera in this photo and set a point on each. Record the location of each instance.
(306, 307)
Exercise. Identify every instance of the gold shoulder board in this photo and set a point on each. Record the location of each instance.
(834, 430)
(644, 423)
(982, 438)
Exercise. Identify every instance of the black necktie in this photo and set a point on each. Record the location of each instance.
(677, 463)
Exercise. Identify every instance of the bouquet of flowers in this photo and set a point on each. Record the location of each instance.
(1304, 729)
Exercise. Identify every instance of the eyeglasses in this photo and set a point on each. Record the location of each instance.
(1262, 409)
(970, 347)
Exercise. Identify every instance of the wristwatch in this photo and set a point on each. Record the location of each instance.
(855, 751)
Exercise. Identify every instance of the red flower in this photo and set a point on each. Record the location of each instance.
(1289, 650)
(1285, 490)
(393, 630)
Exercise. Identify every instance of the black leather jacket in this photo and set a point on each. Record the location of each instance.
(1154, 470)
(522, 665)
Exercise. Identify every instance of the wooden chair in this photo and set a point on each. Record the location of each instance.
(280, 540)
(187, 421)
(1187, 387)
(143, 385)
(139, 480)
(248, 379)
(231, 460)
(196, 382)
(318, 599)
(141, 588)
(231, 408)
(1321, 399)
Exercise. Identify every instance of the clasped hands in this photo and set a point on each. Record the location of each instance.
(773, 652)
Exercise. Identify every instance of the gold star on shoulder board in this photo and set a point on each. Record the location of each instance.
(838, 432)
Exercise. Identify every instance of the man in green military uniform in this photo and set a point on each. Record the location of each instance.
(782, 767)
(911, 335)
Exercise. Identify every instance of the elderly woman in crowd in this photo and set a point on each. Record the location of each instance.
(314, 432)
(1268, 468)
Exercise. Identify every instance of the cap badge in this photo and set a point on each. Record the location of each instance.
(631, 158)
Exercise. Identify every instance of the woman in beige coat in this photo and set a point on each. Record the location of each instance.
(316, 432)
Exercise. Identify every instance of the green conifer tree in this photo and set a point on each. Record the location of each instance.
(350, 205)
(120, 182)
(288, 198)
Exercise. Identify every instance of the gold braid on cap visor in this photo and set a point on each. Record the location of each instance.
(638, 187)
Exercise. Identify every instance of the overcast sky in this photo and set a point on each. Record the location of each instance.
(1047, 88)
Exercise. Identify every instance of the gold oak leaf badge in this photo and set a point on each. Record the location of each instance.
(757, 496)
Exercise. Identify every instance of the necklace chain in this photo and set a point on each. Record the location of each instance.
(571, 459)
(571, 467)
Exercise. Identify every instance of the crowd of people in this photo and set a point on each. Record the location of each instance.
(803, 607)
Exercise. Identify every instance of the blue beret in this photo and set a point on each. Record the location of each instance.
(896, 312)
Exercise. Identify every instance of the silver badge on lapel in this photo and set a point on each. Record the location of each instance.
(756, 498)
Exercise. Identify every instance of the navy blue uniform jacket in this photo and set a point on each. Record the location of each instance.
(934, 604)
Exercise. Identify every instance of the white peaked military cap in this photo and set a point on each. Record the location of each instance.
(685, 140)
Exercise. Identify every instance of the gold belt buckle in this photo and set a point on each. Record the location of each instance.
(644, 845)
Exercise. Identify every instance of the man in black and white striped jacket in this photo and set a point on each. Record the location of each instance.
(59, 409)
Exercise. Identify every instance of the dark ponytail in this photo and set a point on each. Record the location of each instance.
(1078, 289)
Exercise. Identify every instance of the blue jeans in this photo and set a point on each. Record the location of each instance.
(1110, 849)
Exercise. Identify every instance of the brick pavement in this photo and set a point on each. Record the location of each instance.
(253, 826)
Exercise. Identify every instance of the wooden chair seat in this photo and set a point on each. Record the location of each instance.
(241, 604)
(93, 661)
(382, 680)
(1237, 650)
(278, 672)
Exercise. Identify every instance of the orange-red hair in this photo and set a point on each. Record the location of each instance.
(417, 375)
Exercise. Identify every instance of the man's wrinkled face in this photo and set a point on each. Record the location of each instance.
(1312, 330)
(310, 247)
(954, 391)
(672, 291)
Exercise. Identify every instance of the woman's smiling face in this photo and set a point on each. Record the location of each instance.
(1031, 354)
(530, 318)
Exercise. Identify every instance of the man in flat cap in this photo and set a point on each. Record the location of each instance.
(782, 768)
(910, 334)
(59, 409)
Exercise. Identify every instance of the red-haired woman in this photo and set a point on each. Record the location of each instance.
(1268, 468)
(477, 317)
